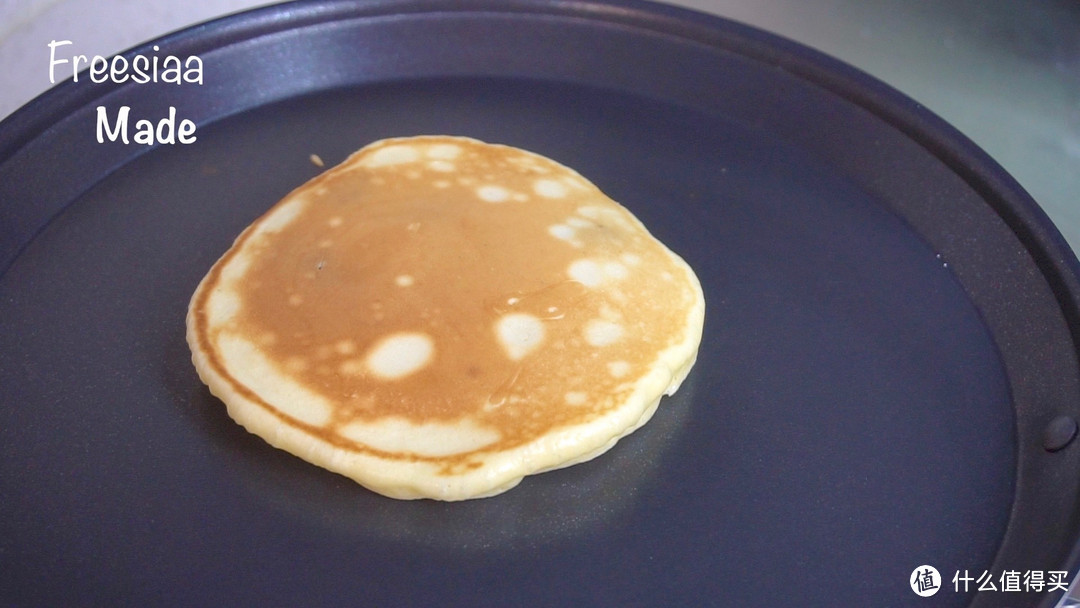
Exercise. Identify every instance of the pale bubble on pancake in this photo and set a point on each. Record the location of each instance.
(586, 271)
(285, 215)
(602, 333)
(493, 194)
(618, 369)
(399, 355)
(222, 306)
(519, 334)
(438, 317)
(443, 151)
(391, 155)
(425, 439)
(549, 188)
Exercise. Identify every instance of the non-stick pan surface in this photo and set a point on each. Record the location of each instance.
(888, 376)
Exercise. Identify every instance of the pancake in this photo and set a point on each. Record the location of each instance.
(438, 317)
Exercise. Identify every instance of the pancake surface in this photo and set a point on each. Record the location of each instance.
(438, 317)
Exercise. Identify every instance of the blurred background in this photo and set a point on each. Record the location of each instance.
(1004, 72)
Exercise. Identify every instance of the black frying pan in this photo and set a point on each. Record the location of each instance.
(888, 376)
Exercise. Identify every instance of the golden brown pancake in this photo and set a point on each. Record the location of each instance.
(438, 317)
